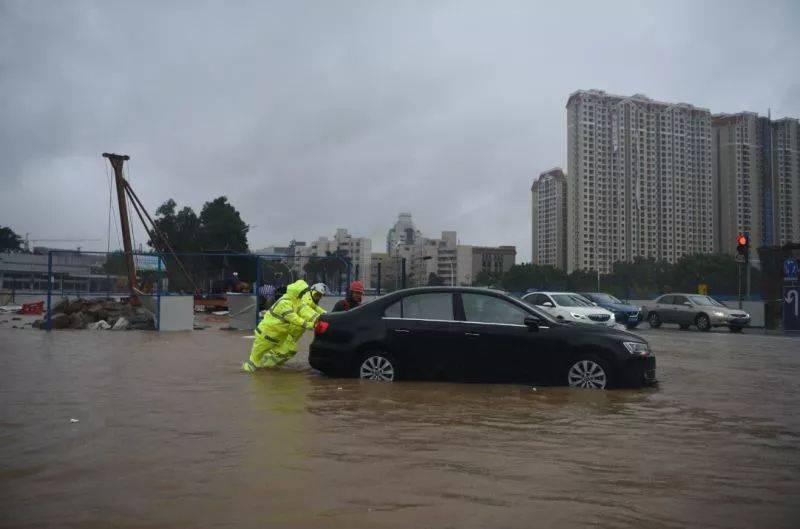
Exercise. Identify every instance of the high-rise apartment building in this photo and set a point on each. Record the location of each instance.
(782, 187)
(738, 164)
(549, 219)
(756, 167)
(639, 180)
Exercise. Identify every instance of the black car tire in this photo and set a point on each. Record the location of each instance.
(589, 371)
(735, 328)
(378, 366)
(702, 322)
(684, 326)
(654, 320)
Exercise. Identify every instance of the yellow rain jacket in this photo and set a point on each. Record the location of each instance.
(308, 311)
(283, 317)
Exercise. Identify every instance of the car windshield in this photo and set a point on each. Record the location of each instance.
(570, 300)
(705, 300)
(603, 298)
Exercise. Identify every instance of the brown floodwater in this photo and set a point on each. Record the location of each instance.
(140, 429)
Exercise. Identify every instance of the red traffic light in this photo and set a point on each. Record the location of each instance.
(741, 240)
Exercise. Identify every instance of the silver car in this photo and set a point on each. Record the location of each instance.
(704, 312)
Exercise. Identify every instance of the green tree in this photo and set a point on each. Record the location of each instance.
(434, 280)
(486, 279)
(222, 228)
(9, 241)
(526, 276)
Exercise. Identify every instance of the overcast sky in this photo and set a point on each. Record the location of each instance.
(311, 116)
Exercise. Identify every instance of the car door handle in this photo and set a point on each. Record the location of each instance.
(402, 331)
(471, 334)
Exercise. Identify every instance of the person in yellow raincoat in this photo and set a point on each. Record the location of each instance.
(309, 310)
(275, 341)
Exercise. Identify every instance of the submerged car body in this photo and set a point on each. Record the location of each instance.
(473, 334)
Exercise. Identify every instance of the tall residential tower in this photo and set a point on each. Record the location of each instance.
(639, 180)
(549, 219)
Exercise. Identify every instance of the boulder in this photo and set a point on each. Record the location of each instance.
(94, 309)
(61, 306)
(58, 321)
(79, 320)
(76, 306)
(122, 324)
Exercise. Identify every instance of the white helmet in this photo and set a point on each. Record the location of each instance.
(319, 288)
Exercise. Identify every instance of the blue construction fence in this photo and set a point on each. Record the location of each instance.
(210, 277)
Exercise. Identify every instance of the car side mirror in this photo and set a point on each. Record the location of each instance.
(532, 323)
(687, 303)
(547, 304)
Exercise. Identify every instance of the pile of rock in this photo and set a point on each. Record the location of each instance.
(98, 314)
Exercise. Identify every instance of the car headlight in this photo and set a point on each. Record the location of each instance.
(577, 316)
(719, 314)
(636, 348)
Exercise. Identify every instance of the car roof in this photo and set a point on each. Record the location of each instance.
(420, 290)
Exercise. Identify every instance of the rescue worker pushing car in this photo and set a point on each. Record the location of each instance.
(275, 341)
(309, 310)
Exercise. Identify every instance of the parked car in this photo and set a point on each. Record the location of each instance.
(569, 306)
(628, 315)
(474, 334)
(704, 312)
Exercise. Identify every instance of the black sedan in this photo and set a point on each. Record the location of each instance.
(474, 334)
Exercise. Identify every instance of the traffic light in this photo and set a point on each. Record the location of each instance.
(743, 245)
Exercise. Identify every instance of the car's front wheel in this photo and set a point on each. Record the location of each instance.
(377, 365)
(702, 322)
(589, 372)
(654, 320)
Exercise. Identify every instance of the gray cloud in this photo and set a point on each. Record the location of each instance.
(313, 116)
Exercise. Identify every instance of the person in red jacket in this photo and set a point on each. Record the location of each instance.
(354, 296)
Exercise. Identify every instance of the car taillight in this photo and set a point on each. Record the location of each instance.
(321, 327)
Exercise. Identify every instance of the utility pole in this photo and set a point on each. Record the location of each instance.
(117, 161)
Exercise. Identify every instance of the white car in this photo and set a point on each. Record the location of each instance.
(569, 306)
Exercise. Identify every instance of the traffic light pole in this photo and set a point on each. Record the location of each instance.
(739, 282)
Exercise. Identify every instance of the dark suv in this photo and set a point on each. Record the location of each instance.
(474, 334)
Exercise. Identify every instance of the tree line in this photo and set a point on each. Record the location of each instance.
(644, 278)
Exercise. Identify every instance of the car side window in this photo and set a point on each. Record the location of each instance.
(433, 306)
(533, 299)
(489, 309)
(666, 300)
(393, 310)
(679, 300)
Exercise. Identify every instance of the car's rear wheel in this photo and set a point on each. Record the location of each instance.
(702, 322)
(377, 365)
(654, 320)
(589, 372)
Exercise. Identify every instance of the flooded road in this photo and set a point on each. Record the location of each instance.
(139, 429)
